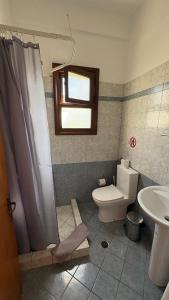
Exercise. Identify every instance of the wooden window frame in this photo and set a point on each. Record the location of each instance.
(75, 103)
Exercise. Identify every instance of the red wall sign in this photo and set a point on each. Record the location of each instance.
(132, 142)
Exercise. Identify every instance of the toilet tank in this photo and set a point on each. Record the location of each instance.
(127, 180)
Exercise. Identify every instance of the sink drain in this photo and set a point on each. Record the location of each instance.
(104, 244)
(166, 218)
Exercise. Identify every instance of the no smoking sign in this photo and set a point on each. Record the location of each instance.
(132, 142)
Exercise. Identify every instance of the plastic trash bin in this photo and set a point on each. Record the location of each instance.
(133, 226)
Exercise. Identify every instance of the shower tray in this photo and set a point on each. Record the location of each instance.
(68, 218)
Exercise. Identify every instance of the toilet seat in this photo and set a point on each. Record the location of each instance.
(107, 194)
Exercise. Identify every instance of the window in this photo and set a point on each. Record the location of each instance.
(76, 100)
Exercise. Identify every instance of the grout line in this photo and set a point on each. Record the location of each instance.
(145, 273)
(119, 280)
(100, 268)
(48, 291)
(83, 284)
(65, 288)
(120, 275)
(132, 289)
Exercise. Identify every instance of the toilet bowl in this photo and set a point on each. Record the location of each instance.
(113, 201)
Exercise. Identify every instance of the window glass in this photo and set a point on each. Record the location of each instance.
(63, 89)
(76, 117)
(78, 86)
(76, 100)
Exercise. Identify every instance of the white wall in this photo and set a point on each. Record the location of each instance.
(149, 42)
(5, 16)
(101, 38)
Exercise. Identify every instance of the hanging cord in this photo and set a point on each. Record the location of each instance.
(73, 53)
(71, 35)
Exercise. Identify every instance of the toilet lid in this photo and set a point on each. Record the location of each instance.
(107, 193)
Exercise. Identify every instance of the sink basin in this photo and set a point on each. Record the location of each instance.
(154, 201)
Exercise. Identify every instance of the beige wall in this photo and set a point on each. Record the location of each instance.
(123, 47)
(5, 13)
(149, 45)
(147, 118)
(101, 38)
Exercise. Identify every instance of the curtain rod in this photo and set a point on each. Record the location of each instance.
(36, 33)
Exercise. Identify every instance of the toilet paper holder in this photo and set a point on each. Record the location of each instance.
(101, 181)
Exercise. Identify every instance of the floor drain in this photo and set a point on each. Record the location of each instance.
(166, 218)
(104, 244)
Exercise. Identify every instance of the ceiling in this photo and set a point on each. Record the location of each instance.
(121, 7)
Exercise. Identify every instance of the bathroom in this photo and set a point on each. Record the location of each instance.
(122, 46)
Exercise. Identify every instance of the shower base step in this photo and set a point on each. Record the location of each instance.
(68, 218)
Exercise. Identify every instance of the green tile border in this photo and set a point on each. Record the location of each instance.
(153, 90)
(49, 95)
(113, 98)
(101, 98)
(149, 91)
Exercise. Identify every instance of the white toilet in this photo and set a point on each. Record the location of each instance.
(114, 200)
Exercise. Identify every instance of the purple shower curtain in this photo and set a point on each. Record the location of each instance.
(27, 147)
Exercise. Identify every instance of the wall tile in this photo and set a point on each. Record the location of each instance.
(103, 146)
(165, 100)
(147, 118)
(48, 84)
(78, 180)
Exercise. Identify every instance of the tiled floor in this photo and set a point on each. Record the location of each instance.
(66, 223)
(68, 218)
(117, 272)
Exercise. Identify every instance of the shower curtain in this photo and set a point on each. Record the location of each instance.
(23, 119)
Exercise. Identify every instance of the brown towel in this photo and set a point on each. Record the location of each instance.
(65, 248)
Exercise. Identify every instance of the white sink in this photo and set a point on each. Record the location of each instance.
(154, 201)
